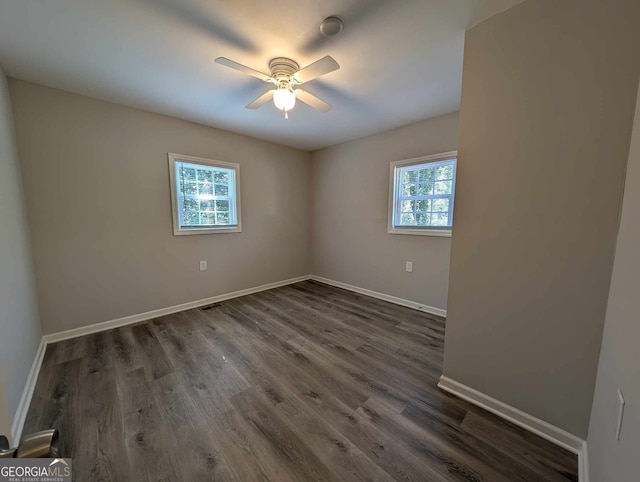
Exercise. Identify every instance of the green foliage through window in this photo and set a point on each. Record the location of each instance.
(423, 194)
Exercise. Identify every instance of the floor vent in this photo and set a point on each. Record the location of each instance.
(208, 307)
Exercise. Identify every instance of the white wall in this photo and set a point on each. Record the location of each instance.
(350, 212)
(619, 367)
(5, 419)
(20, 331)
(545, 123)
(97, 186)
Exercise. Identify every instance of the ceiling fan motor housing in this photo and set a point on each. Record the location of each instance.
(283, 68)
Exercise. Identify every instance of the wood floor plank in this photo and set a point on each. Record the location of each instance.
(145, 435)
(302, 382)
(426, 445)
(102, 450)
(288, 446)
(334, 449)
(126, 357)
(518, 449)
(153, 356)
(380, 447)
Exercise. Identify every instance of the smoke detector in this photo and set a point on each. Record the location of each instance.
(331, 26)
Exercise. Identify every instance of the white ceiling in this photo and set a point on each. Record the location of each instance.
(401, 60)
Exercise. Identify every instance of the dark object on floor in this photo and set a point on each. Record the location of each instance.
(42, 444)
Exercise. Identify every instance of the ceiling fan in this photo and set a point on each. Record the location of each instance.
(286, 76)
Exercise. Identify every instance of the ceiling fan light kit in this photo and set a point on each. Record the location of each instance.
(284, 99)
(286, 76)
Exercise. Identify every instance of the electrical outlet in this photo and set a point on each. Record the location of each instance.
(409, 267)
(620, 414)
(203, 265)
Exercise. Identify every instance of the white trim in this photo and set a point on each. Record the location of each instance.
(541, 428)
(381, 296)
(421, 232)
(128, 320)
(583, 464)
(148, 315)
(433, 158)
(27, 393)
(173, 158)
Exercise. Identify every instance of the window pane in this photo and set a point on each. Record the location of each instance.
(407, 206)
(190, 218)
(426, 175)
(444, 172)
(221, 177)
(222, 206)
(207, 205)
(410, 176)
(423, 194)
(187, 174)
(207, 218)
(424, 189)
(205, 194)
(439, 219)
(190, 205)
(205, 175)
(221, 190)
(407, 219)
(423, 219)
(190, 188)
(442, 187)
(440, 205)
(223, 218)
(409, 190)
(206, 188)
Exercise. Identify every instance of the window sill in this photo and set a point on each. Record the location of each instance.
(188, 232)
(422, 232)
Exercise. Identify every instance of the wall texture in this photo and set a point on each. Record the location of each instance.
(97, 187)
(545, 122)
(350, 210)
(19, 322)
(610, 459)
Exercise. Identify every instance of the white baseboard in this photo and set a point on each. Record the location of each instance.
(541, 428)
(148, 315)
(382, 296)
(27, 393)
(583, 464)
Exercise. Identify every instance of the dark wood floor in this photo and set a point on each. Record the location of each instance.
(304, 382)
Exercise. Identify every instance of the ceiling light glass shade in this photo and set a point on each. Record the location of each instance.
(284, 99)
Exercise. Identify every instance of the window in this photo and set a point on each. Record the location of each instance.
(421, 195)
(205, 195)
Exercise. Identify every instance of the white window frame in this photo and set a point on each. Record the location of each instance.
(394, 183)
(180, 231)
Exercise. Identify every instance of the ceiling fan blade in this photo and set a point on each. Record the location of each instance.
(262, 100)
(319, 67)
(312, 100)
(243, 68)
